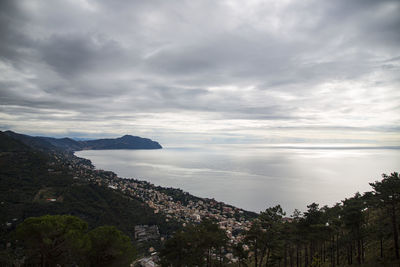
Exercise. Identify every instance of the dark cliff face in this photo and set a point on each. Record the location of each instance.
(68, 144)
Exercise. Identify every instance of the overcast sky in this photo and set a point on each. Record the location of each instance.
(204, 71)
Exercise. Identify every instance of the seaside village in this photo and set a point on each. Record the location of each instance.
(233, 220)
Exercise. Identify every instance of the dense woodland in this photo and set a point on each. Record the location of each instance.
(26, 183)
(65, 240)
(361, 230)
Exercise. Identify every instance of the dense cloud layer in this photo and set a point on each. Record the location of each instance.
(203, 71)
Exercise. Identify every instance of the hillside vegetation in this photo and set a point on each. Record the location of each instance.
(68, 144)
(38, 179)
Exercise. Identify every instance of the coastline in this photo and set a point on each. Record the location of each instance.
(174, 203)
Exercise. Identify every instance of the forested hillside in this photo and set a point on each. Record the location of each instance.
(69, 145)
(36, 180)
(361, 230)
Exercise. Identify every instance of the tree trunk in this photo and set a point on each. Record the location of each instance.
(321, 253)
(351, 253)
(337, 250)
(362, 251)
(267, 260)
(300, 257)
(208, 258)
(285, 255)
(305, 256)
(263, 251)
(220, 257)
(255, 254)
(348, 254)
(381, 248)
(395, 232)
(291, 256)
(333, 251)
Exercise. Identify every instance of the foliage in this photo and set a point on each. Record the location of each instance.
(53, 239)
(197, 245)
(360, 230)
(109, 247)
(387, 195)
(25, 177)
(265, 235)
(64, 240)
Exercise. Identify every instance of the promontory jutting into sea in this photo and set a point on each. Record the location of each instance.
(200, 133)
(254, 177)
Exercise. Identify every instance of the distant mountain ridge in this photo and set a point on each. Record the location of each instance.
(68, 144)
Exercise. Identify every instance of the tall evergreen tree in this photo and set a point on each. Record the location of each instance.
(51, 240)
(387, 192)
(109, 247)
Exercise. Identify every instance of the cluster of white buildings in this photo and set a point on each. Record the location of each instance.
(229, 218)
(192, 210)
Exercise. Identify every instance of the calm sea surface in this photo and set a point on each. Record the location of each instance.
(255, 178)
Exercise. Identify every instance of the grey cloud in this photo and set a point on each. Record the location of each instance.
(14, 42)
(71, 55)
(118, 57)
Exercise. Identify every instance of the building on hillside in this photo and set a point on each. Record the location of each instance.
(145, 233)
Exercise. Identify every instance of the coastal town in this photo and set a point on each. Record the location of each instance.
(157, 222)
(175, 204)
(181, 207)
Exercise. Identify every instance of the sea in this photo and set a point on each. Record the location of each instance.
(256, 177)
